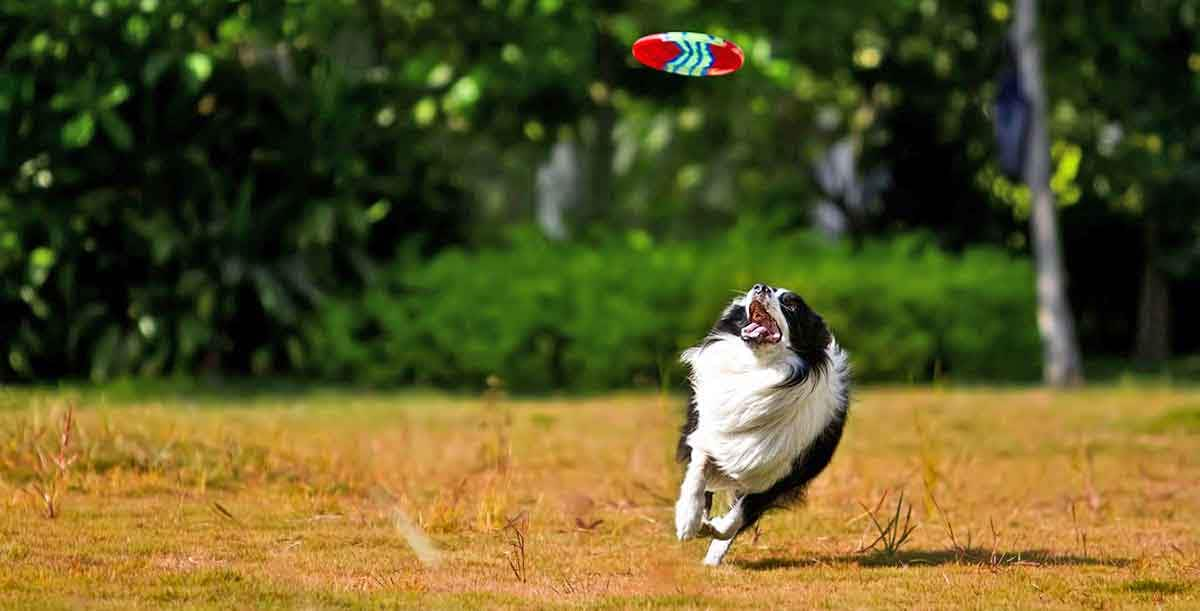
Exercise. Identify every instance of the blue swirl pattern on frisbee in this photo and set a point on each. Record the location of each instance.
(694, 58)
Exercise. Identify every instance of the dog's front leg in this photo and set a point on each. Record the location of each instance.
(689, 509)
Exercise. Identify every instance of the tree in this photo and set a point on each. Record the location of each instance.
(1062, 365)
(1119, 99)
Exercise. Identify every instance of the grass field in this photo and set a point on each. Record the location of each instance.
(1088, 499)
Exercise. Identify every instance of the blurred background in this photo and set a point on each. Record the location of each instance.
(454, 193)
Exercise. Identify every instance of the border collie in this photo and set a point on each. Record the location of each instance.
(770, 389)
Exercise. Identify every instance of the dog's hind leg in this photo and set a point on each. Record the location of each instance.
(726, 526)
(723, 530)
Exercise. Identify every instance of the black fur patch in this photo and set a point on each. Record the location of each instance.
(731, 321)
(683, 452)
(808, 337)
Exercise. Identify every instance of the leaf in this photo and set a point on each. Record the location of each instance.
(62, 101)
(42, 257)
(297, 274)
(243, 217)
(86, 317)
(105, 353)
(78, 132)
(156, 361)
(199, 66)
(116, 128)
(115, 96)
(193, 334)
(232, 29)
(155, 67)
(137, 29)
(272, 295)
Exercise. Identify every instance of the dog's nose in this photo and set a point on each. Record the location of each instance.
(760, 288)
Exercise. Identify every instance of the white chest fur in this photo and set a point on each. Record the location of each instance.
(751, 429)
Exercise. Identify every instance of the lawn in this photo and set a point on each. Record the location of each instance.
(1088, 499)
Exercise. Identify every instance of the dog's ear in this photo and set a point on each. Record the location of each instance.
(807, 330)
(808, 338)
(816, 333)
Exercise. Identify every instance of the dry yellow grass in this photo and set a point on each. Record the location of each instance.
(1087, 499)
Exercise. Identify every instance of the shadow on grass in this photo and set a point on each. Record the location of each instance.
(935, 558)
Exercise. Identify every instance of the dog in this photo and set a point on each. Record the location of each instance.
(770, 391)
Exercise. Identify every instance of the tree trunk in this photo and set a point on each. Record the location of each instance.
(1061, 363)
(1153, 342)
(558, 189)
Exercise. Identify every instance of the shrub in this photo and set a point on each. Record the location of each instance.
(177, 186)
(546, 315)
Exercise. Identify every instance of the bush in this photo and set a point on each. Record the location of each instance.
(178, 186)
(544, 315)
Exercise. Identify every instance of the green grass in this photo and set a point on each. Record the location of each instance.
(1154, 586)
(1181, 419)
(292, 498)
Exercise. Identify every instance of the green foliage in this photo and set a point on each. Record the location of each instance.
(182, 183)
(545, 315)
(180, 186)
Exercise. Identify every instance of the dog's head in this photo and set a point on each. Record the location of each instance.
(772, 320)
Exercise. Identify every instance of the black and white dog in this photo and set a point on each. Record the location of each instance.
(770, 391)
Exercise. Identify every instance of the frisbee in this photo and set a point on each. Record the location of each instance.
(688, 53)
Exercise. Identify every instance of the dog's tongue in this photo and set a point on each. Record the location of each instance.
(753, 331)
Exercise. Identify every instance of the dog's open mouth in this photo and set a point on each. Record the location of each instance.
(762, 328)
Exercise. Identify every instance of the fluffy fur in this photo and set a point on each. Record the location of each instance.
(770, 392)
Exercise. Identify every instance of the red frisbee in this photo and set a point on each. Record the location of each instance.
(688, 53)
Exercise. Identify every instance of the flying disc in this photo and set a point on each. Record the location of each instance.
(688, 53)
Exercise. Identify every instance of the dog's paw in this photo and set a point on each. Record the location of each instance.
(689, 516)
(716, 552)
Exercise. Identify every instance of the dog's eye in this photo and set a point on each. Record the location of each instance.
(789, 302)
